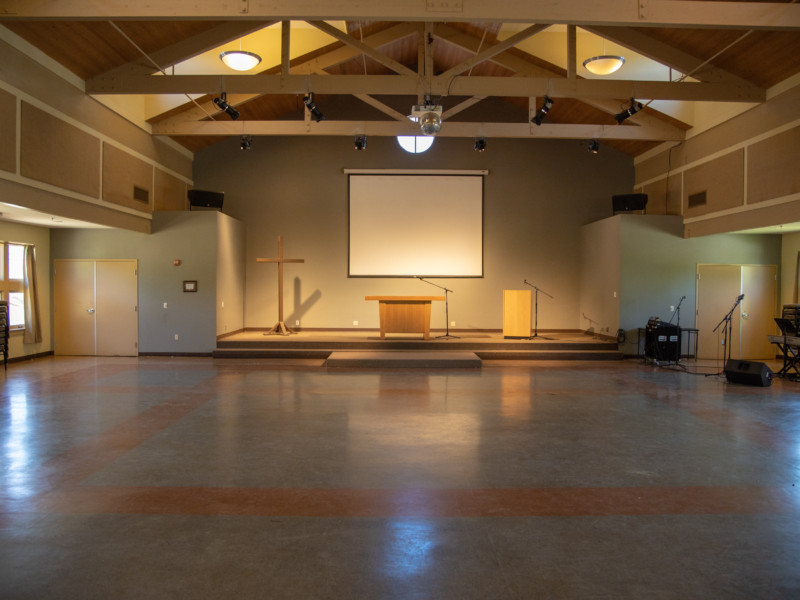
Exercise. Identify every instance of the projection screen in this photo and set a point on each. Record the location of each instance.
(415, 225)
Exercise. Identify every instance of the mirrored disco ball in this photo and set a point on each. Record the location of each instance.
(430, 123)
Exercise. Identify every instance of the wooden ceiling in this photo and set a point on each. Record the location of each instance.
(367, 78)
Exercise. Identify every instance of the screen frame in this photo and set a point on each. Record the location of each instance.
(418, 173)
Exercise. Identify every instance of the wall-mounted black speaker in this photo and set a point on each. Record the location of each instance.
(206, 199)
(748, 372)
(629, 202)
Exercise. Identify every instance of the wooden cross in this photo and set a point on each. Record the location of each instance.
(280, 327)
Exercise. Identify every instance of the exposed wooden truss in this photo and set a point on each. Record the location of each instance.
(616, 13)
(513, 75)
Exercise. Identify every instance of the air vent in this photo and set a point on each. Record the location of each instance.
(141, 195)
(698, 199)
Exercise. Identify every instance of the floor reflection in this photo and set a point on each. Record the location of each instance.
(16, 453)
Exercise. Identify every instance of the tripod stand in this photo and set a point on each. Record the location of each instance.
(447, 335)
(727, 332)
(536, 309)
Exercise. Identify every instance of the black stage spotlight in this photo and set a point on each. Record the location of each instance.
(542, 112)
(222, 104)
(312, 108)
(594, 146)
(630, 111)
(479, 145)
(246, 142)
(360, 142)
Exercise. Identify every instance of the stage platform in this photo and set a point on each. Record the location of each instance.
(485, 345)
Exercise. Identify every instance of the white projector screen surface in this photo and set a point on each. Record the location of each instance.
(416, 225)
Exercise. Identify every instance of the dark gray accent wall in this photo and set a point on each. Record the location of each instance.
(538, 194)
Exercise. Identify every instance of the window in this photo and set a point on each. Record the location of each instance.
(12, 283)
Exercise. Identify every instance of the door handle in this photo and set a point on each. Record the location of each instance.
(91, 310)
(745, 315)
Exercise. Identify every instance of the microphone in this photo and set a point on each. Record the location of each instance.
(739, 299)
(683, 298)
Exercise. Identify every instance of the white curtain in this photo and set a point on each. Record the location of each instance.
(33, 327)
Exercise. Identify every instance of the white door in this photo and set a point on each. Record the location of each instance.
(95, 307)
(760, 289)
(73, 307)
(718, 287)
(117, 318)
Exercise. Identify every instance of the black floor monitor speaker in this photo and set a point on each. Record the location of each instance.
(748, 372)
(206, 199)
(629, 202)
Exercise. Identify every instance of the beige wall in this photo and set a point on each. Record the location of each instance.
(230, 274)
(76, 158)
(747, 166)
(790, 269)
(600, 275)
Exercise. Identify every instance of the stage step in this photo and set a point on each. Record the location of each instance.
(322, 353)
(403, 359)
(484, 346)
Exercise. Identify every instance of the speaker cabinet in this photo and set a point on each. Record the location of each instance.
(748, 372)
(662, 342)
(205, 199)
(629, 202)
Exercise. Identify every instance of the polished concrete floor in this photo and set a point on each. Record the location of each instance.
(195, 478)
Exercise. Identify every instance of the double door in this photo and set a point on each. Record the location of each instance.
(95, 307)
(718, 287)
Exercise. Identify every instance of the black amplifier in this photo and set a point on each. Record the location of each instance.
(662, 341)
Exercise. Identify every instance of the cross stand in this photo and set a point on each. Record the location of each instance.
(280, 327)
(727, 332)
(447, 335)
(536, 309)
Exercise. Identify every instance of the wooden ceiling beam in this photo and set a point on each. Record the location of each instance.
(522, 67)
(189, 47)
(362, 48)
(667, 55)
(392, 128)
(315, 65)
(438, 86)
(494, 50)
(620, 13)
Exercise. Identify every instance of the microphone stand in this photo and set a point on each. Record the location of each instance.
(447, 335)
(678, 312)
(536, 309)
(727, 330)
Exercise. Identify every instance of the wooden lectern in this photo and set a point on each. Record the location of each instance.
(517, 314)
(405, 314)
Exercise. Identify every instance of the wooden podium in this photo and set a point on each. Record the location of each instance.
(405, 314)
(517, 314)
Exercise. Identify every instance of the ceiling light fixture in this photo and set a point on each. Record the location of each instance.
(360, 142)
(542, 112)
(628, 112)
(240, 60)
(594, 147)
(605, 64)
(312, 108)
(479, 145)
(222, 104)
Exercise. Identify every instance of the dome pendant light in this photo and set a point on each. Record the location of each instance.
(605, 64)
(240, 60)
